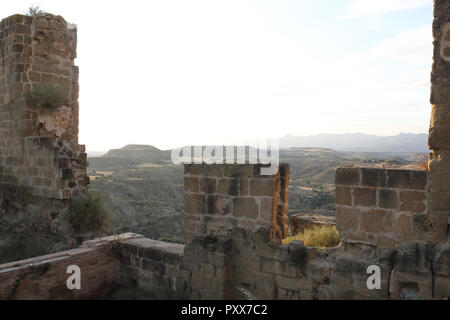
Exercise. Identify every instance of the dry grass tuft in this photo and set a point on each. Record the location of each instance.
(318, 236)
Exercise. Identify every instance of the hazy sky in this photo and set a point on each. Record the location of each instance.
(172, 73)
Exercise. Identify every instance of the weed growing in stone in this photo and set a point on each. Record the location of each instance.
(34, 11)
(48, 96)
(318, 236)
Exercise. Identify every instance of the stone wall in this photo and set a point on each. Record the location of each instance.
(381, 215)
(41, 163)
(384, 207)
(438, 202)
(383, 219)
(45, 277)
(155, 266)
(218, 198)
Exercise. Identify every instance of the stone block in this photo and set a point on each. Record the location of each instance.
(442, 288)
(441, 260)
(388, 199)
(439, 181)
(347, 176)
(413, 201)
(265, 292)
(214, 170)
(364, 197)
(243, 247)
(439, 202)
(219, 204)
(191, 184)
(343, 195)
(243, 186)
(266, 210)
(349, 266)
(431, 227)
(245, 207)
(243, 275)
(440, 115)
(263, 187)
(273, 267)
(269, 250)
(288, 283)
(403, 225)
(228, 186)
(373, 177)
(419, 179)
(377, 221)
(439, 136)
(238, 170)
(347, 219)
(439, 161)
(400, 179)
(194, 169)
(194, 203)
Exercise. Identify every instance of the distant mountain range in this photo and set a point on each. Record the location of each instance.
(359, 142)
(353, 142)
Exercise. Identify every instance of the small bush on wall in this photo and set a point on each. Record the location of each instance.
(48, 96)
(34, 11)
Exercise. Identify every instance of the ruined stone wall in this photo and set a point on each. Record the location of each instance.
(384, 207)
(218, 198)
(382, 218)
(45, 277)
(438, 201)
(155, 266)
(41, 163)
(39, 144)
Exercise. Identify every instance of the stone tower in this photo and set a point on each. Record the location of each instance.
(41, 164)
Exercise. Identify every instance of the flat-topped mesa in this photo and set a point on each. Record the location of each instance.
(39, 107)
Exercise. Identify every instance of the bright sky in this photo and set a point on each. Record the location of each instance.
(181, 72)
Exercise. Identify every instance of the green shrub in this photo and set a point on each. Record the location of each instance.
(49, 96)
(318, 236)
(87, 213)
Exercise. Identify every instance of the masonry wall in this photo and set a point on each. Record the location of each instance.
(438, 187)
(384, 207)
(155, 266)
(41, 164)
(45, 277)
(39, 145)
(218, 198)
